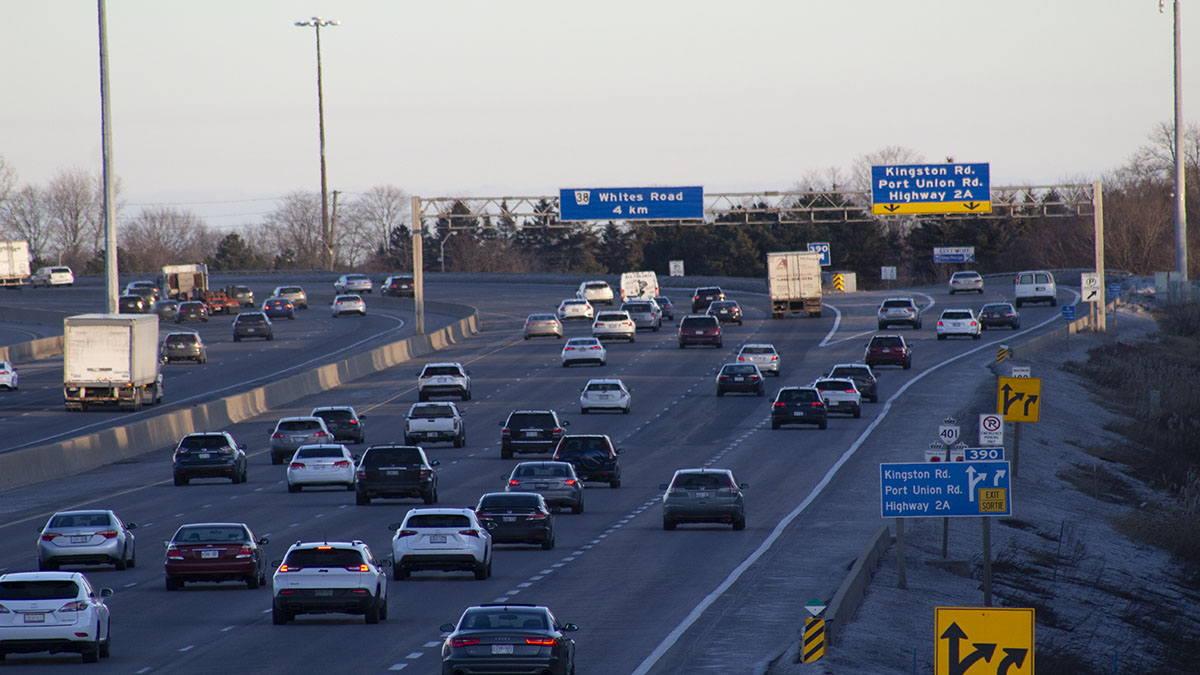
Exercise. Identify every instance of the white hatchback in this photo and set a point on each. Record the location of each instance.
(840, 395)
(8, 376)
(575, 308)
(616, 325)
(445, 539)
(595, 291)
(762, 355)
(53, 612)
(584, 350)
(315, 465)
(348, 304)
(609, 394)
(958, 322)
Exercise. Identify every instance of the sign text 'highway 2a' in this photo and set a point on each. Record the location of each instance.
(1019, 399)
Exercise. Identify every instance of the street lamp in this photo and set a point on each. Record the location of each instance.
(318, 23)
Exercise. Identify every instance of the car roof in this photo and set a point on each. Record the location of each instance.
(301, 418)
(444, 363)
(322, 446)
(533, 411)
(758, 344)
(215, 433)
(438, 510)
(605, 380)
(957, 309)
(905, 298)
(84, 512)
(544, 462)
(314, 544)
(511, 494)
(795, 387)
(848, 365)
(331, 407)
(42, 576)
(214, 525)
(182, 332)
(700, 470)
(887, 335)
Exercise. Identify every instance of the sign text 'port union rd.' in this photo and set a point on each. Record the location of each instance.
(921, 490)
(658, 203)
(931, 188)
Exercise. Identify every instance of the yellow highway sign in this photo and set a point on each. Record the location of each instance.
(900, 208)
(977, 640)
(1019, 399)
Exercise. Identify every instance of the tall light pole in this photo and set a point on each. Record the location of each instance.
(1181, 252)
(318, 23)
(110, 217)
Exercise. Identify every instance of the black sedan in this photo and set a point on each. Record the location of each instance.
(726, 311)
(192, 310)
(517, 638)
(517, 518)
(799, 405)
(996, 314)
(279, 308)
(741, 377)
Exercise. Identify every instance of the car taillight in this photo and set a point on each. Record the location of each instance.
(972, 323)
(353, 422)
(341, 464)
(320, 434)
(245, 551)
(108, 534)
(543, 642)
(724, 377)
(595, 346)
(463, 642)
(818, 404)
(568, 349)
(774, 358)
(627, 323)
(754, 377)
(76, 606)
(426, 473)
(741, 358)
(49, 536)
(405, 533)
(569, 481)
(277, 434)
(358, 568)
(361, 474)
(939, 323)
(780, 404)
(850, 391)
(558, 430)
(514, 482)
(528, 324)
(504, 431)
(469, 533)
(537, 516)
(296, 465)
(174, 553)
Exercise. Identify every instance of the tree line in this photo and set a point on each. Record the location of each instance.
(62, 221)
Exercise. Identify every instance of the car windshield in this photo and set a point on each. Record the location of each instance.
(203, 442)
(540, 470)
(319, 453)
(300, 425)
(738, 370)
(758, 350)
(956, 314)
(897, 303)
(997, 308)
(437, 520)
(604, 386)
(81, 520)
(432, 411)
(798, 396)
(574, 302)
(324, 557)
(576, 445)
(203, 535)
(503, 619)
(529, 420)
(702, 480)
(886, 342)
(442, 370)
(48, 589)
(509, 502)
(376, 457)
(357, 277)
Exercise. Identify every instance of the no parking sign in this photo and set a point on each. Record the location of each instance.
(991, 429)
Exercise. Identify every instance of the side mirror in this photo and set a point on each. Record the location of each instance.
(743, 485)
(620, 451)
(566, 423)
(354, 457)
(385, 563)
(106, 592)
(166, 544)
(569, 628)
(435, 462)
(242, 447)
(394, 526)
(276, 563)
(263, 541)
(362, 417)
(446, 628)
(131, 526)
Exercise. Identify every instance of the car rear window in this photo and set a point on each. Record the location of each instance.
(530, 420)
(582, 342)
(966, 275)
(251, 318)
(203, 442)
(708, 291)
(956, 314)
(637, 307)
(702, 480)
(300, 425)
(324, 557)
(1025, 279)
(509, 502)
(1041, 278)
(334, 415)
(442, 370)
(604, 386)
(697, 322)
(432, 411)
(49, 589)
(182, 337)
(195, 535)
(542, 317)
(61, 270)
(897, 303)
(738, 370)
(535, 470)
(290, 289)
(996, 308)
(757, 350)
(611, 316)
(850, 371)
(886, 342)
(81, 520)
(798, 396)
(503, 619)
(575, 302)
(597, 287)
(838, 385)
(377, 457)
(571, 446)
(437, 520)
(318, 453)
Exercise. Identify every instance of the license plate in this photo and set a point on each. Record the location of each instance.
(541, 486)
(437, 538)
(443, 380)
(739, 378)
(297, 439)
(205, 455)
(210, 554)
(699, 332)
(510, 519)
(702, 495)
(324, 592)
(79, 539)
(531, 434)
(391, 473)
(40, 617)
(502, 649)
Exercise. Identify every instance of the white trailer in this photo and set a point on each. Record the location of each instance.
(187, 281)
(14, 263)
(794, 283)
(639, 285)
(111, 358)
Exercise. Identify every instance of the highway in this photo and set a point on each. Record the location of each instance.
(644, 598)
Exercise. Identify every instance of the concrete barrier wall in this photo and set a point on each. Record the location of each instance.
(34, 350)
(845, 602)
(83, 453)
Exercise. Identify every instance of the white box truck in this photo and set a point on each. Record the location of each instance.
(794, 283)
(184, 281)
(641, 285)
(14, 263)
(111, 358)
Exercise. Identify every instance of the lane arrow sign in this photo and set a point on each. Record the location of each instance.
(972, 205)
(1012, 657)
(983, 650)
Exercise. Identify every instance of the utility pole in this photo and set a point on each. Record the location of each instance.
(1181, 252)
(110, 209)
(333, 230)
(317, 23)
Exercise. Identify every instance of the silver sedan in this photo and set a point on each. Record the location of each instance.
(86, 538)
(556, 482)
(348, 304)
(545, 325)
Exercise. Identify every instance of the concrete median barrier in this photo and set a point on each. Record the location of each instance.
(83, 453)
(34, 350)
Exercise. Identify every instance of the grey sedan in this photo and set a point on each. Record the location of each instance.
(703, 496)
(86, 538)
(556, 482)
(546, 325)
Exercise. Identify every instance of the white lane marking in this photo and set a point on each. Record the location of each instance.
(398, 666)
(537, 577)
(143, 670)
(512, 592)
(837, 321)
(432, 643)
(131, 584)
(524, 584)
(226, 629)
(504, 599)
(187, 648)
(414, 655)
(546, 572)
(266, 611)
(737, 572)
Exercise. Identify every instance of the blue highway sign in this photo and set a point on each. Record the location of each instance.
(931, 188)
(953, 254)
(823, 249)
(662, 203)
(1114, 290)
(922, 490)
(1068, 312)
(984, 454)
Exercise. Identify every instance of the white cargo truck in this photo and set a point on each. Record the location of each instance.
(639, 285)
(14, 263)
(794, 283)
(111, 359)
(184, 281)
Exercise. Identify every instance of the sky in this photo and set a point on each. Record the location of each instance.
(214, 104)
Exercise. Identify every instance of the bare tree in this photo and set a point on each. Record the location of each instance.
(8, 180)
(159, 236)
(375, 214)
(24, 216)
(74, 205)
(860, 173)
(292, 232)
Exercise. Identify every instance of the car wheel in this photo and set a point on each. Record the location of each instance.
(739, 524)
(372, 613)
(481, 571)
(941, 337)
(106, 646)
(760, 392)
(1053, 302)
(467, 396)
(236, 477)
(276, 459)
(350, 486)
(133, 558)
(459, 442)
(237, 339)
(280, 617)
(857, 413)
(917, 326)
(270, 338)
(565, 364)
(422, 397)
(668, 524)
(1017, 304)
(408, 440)
(822, 424)
(428, 497)
(362, 499)
(681, 345)
(774, 424)
(293, 488)
(584, 411)
(908, 364)
(982, 326)
(181, 480)
(720, 344)
(1016, 325)
(881, 326)
(526, 338)
(548, 544)
(91, 653)
(720, 391)
(633, 338)
(252, 581)
(976, 336)
(174, 584)
(400, 573)
(614, 483)
(577, 508)
(874, 398)
(505, 453)
(383, 609)
(625, 411)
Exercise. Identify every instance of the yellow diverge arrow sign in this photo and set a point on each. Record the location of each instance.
(1019, 399)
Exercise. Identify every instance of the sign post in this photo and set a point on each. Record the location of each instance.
(930, 188)
(1018, 399)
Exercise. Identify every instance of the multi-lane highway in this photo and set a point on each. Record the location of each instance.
(698, 599)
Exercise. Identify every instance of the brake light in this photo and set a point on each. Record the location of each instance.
(780, 404)
(818, 404)
(297, 465)
(469, 533)
(514, 482)
(324, 548)
(108, 534)
(174, 553)
(741, 358)
(754, 377)
(426, 473)
(361, 474)
(245, 551)
(353, 422)
(341, 464)
(774, 358)
(463, 641)
(596, 347)
(49, 536)
(277, 434)
(544, 642)
(528, 324)
(569, 349)
(558, 430)
(76, 606)
(504, 431)
(940, 322)
(850, 391)
(569, 481)
(358, 568)
(405, 533)
(321, 434)
(537, 516)
(289, 568)
(972, 323)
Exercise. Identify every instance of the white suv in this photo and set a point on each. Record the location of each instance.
(445, 539)
(898, 310)
(327, 577)
(958, 322)
(52, 276)
(53, 612)
(1035, 286)
(595, 292)
(840, 395)
(614, 324)
(444, 379)
(762, 355)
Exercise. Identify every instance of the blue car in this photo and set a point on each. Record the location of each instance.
(279, 308)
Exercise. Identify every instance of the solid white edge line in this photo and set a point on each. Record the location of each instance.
(669, 641)
(837, 321)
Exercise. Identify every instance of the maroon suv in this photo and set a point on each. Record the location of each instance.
(699, 330)
(888, 350)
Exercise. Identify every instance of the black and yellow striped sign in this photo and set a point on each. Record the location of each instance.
(814, 640)
(839, 282)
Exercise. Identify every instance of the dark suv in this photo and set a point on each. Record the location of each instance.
(726, 311)
(530, 431)
(864, 379)
(395, 472)
(209, 455)
(252, 324)
(704, 296)
(799, 405)
(342, 422)
(696, 329)
(398, 286)
(184, 347)
(517, 518)
(593, 456)
(888, 350)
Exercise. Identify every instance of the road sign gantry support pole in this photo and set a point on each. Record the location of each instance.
(1099, 310)
(418, 268)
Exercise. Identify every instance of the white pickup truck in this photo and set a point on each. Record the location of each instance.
(436, 422)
